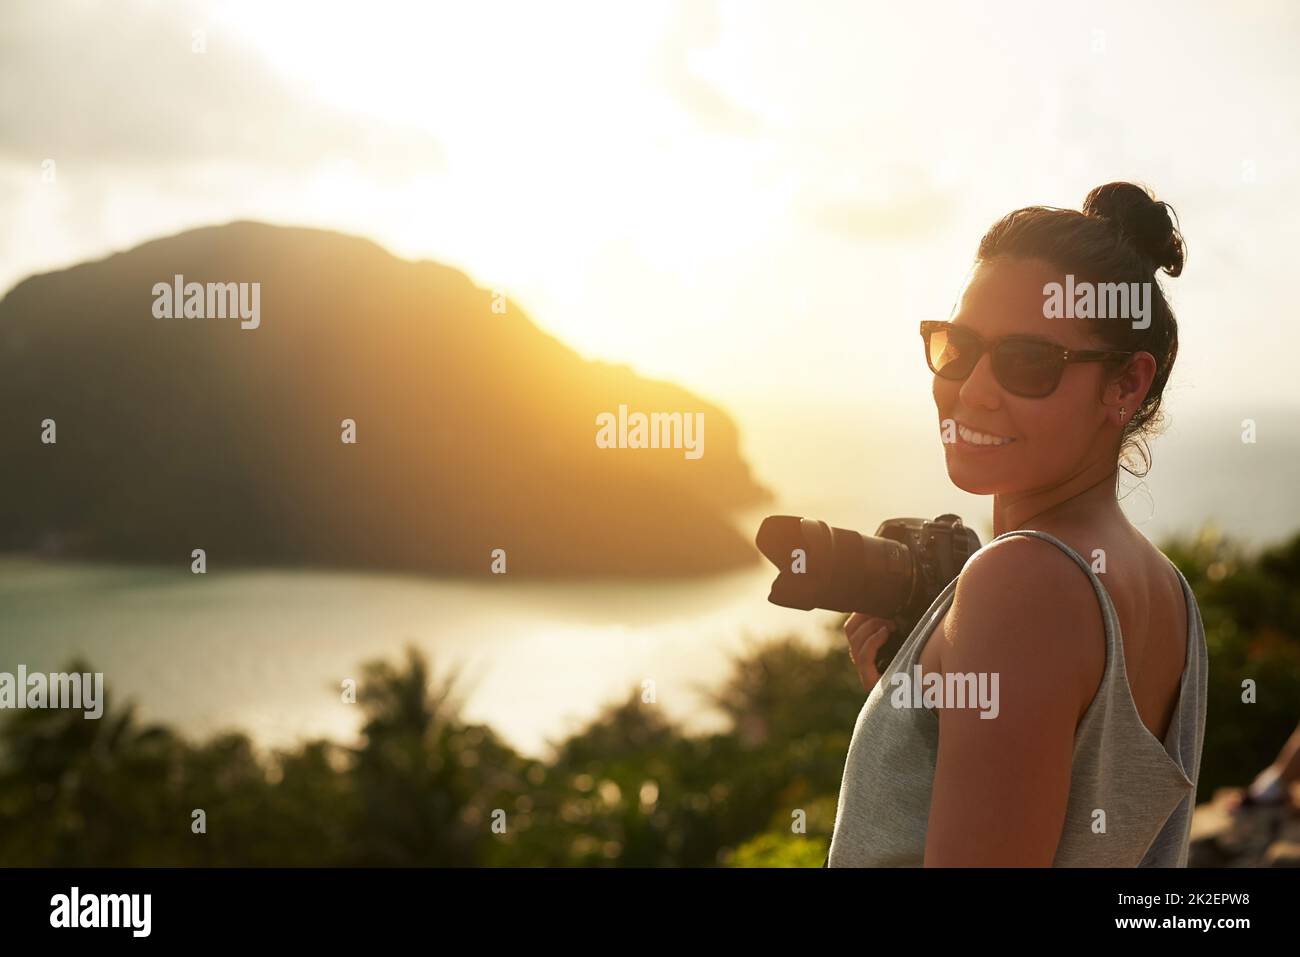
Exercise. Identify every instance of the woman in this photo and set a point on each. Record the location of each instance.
(1089, 637)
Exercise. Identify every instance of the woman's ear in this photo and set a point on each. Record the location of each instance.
(1129, 388)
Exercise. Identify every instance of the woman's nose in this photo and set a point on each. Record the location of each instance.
(981, 388)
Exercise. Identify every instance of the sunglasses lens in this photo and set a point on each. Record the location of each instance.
(951, 353)
(1027, 368)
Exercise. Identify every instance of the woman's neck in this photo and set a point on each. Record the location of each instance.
(1086, 498)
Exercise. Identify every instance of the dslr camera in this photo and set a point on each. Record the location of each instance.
(895, 574)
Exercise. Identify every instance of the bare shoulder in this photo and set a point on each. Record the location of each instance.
(1026, 616)
(1024, 607)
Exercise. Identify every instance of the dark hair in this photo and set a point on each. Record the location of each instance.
(1122, 235)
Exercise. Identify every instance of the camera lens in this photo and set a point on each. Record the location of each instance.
(835, 568)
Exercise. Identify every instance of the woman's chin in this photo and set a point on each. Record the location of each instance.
(975, 479)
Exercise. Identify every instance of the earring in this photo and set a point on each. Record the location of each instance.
(1121, 413)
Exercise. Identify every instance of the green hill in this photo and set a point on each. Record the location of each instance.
(475, 429)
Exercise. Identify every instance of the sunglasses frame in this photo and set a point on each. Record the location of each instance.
(1062, 355)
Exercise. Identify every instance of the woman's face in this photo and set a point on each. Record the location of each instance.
(1053, 438)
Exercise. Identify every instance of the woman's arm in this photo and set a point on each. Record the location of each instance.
(1023, 610)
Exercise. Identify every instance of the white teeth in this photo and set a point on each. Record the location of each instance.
(980, 438)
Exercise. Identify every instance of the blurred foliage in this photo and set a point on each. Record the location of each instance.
(423, 787)
(1250, 604)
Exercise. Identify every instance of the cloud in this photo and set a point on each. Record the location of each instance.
(695, 27)
(121, 84)
(903, 218)
(894, 205)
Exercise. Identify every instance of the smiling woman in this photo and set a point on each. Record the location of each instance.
(1094, 752)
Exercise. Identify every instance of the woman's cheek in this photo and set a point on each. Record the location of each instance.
(945, 395)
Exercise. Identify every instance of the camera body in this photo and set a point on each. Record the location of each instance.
(896, 573)
(939, 549)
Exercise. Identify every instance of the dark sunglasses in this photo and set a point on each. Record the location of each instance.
(1023, 365)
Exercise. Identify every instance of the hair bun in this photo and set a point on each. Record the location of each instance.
(1143, 221)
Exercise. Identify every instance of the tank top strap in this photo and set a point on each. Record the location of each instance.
(1110, 618)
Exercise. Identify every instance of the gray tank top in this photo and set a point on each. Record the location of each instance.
(1146, 788)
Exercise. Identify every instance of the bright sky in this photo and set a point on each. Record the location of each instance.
(752, 199)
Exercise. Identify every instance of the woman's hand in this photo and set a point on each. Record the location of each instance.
(866, 634)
